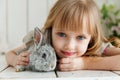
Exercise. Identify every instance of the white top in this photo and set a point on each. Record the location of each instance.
(104, 46)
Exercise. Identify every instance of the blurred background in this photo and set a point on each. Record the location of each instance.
(18, 17)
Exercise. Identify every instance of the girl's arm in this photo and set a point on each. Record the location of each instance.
(102, 63)
(89, 63)
(111, 62)
(13, 59)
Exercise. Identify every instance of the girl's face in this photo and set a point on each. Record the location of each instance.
(69, 43)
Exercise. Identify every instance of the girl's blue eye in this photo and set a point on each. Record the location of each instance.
(80, 37)
(61, 34)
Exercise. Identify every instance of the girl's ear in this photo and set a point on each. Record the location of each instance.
(37, 36)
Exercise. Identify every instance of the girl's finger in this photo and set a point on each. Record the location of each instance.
(25, 54)
(66, 69)
(65, 60)
(22, 63)
(66, 66)
(24, 59)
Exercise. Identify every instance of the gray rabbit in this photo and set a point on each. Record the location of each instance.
(42, 57)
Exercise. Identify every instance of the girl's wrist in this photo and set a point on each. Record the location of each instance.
(79, 62)
(86, 61)
(13, 60)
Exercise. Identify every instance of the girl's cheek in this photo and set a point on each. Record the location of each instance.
(83, 49)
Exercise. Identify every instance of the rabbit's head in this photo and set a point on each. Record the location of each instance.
(43, 57)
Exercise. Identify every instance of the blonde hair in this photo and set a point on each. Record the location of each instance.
(74, 15)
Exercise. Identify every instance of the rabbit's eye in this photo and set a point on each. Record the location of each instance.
(44, 55)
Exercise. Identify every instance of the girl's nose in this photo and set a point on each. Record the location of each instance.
(70, 44)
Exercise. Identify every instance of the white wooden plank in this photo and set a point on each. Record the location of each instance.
(3, 33)
(90, 78)
(17, 21)
(37, 13)
(3, 63)
(117, 72)
(86, 73)
(10, 73)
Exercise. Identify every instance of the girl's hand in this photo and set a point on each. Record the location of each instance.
(22, 59)
(70, 64)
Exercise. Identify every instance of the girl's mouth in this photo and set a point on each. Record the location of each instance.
(67, 53)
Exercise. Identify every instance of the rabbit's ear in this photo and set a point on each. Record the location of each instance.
(48, 36)
(37, 37)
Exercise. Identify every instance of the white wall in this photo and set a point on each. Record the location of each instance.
(3, 34)
(17, 17)
(100, 2)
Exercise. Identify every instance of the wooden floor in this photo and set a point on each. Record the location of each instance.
(9, 73)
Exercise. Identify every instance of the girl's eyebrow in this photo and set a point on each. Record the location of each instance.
(79, 34)
(82, 34)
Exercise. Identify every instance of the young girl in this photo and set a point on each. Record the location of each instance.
(75, 30)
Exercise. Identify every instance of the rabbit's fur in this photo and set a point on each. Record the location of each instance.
(42, 57)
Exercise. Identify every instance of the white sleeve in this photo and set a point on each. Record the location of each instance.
(105, 45)
(28, 37)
